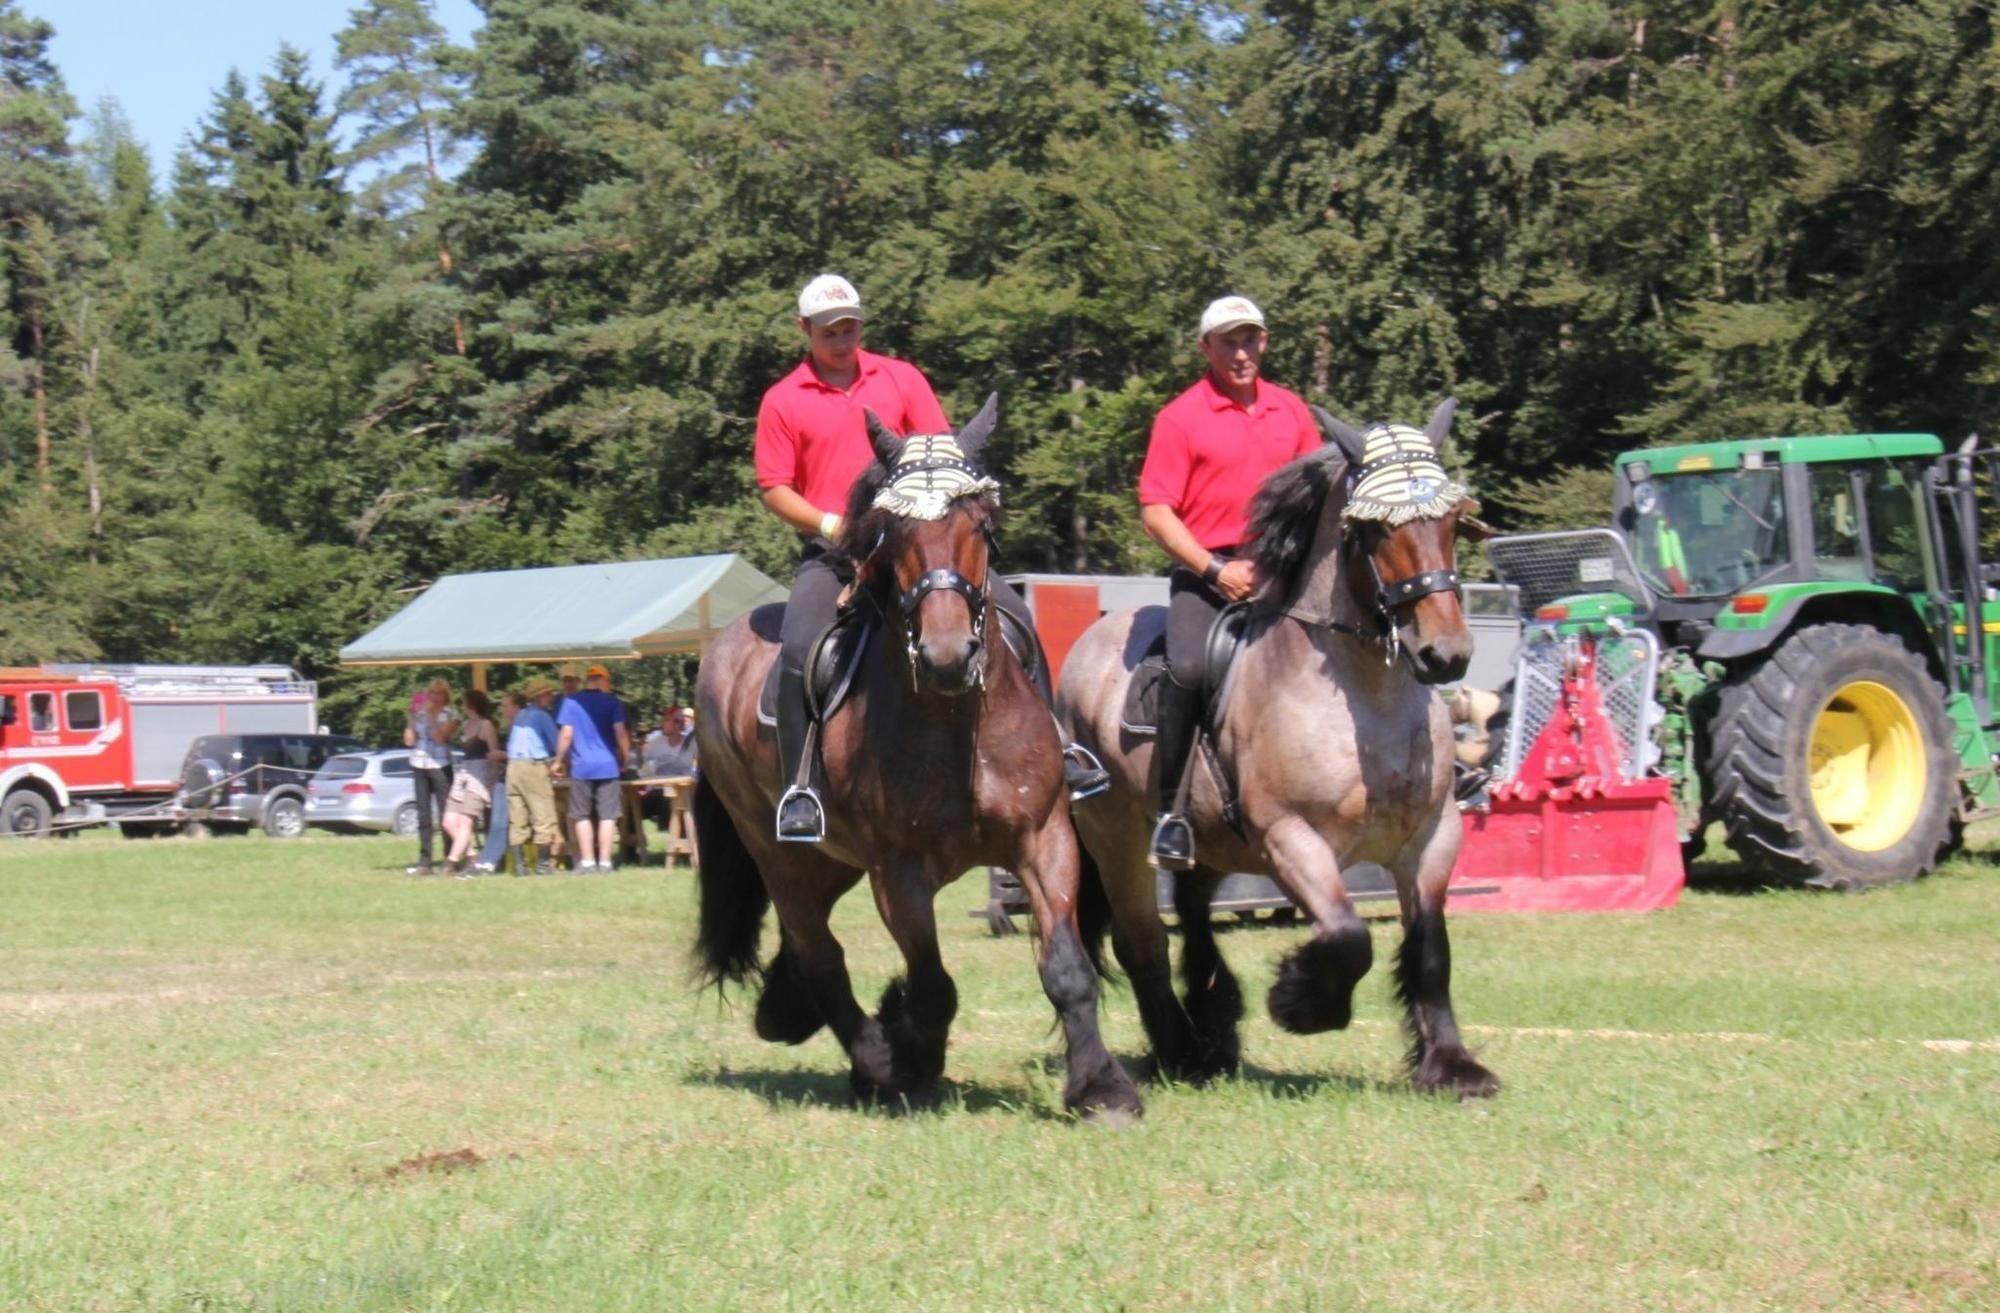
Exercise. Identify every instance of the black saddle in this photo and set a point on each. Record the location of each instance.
(1234, 627)
(836, 654)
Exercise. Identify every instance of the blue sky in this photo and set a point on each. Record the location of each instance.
(162, 60)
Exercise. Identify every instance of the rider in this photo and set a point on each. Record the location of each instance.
(1211, 448)
(812, 444)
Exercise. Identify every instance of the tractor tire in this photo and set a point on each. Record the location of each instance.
(1832, 761)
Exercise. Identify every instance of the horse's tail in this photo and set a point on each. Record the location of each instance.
(1093, 909)
(733, 896)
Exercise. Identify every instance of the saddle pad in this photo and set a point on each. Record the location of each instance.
(1141, 713)
(1233, 630)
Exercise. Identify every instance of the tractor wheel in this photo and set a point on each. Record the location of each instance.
(1832, 761)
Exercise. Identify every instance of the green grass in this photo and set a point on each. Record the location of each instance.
(216, 1055)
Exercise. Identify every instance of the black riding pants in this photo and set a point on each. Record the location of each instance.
(1192, 606)
(816, 596)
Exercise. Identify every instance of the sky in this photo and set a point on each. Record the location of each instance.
(162, 60)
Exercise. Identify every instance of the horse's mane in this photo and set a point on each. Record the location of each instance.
(1284, 516)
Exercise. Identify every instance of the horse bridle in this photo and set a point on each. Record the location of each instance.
(1400, 592)
(978, 597)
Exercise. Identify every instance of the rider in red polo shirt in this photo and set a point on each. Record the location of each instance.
(1212, 446)
(812, 444)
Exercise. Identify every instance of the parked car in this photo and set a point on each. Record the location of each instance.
(374, 791)
(231, 782)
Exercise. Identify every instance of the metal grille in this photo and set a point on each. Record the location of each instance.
(1627, 668)
(1626, 673)
(1538, 676)
(1546, 566)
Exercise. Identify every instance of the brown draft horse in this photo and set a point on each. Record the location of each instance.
(1335, 746)
(941, 758)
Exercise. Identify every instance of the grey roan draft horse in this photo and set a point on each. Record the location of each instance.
(1332, 741)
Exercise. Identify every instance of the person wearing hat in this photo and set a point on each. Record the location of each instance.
(531, 796)
(593, 744)
(812, 444)
(1212, 446)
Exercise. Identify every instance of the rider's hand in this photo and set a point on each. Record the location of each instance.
(1238, 581)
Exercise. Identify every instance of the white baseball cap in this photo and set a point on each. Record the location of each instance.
(828, 299)
(1230, 312)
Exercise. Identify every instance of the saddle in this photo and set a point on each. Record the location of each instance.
(836, 658)
(1227, 637)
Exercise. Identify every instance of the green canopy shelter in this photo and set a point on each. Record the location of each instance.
(619, 610)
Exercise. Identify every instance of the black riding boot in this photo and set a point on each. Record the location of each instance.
(1179, 720)
(1083, 773)
(801, 817)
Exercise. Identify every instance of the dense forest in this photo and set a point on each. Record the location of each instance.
(438, 309)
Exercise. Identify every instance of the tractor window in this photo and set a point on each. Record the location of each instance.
(1712, 533)
(41, 713)
(1896, 525)
(1836, 526)
(84, 710)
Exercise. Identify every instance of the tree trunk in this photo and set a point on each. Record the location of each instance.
(41, 395)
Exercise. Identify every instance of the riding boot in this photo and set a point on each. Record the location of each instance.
(801, 815)
(1179, 720)
(1083, 773)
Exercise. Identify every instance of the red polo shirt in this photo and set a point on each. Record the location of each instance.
(1208, 455)
(814, 439)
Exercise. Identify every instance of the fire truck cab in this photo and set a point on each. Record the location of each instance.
(95, 743)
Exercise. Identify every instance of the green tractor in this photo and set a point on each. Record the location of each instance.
(1825, 639)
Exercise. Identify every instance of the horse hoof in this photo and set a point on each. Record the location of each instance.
(1315, 987)
(1454, 1071)
(1111, 1095)
(1111, 1119)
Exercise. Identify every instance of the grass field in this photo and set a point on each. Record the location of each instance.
(249, 1075)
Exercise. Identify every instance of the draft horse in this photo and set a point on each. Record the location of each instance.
(1330, 749)
(940, 758)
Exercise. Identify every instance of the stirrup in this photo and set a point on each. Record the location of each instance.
(1084, 773)
(1173, 843)
(801, 816)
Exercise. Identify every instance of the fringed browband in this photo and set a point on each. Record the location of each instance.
(931, 473)
(1400, 479)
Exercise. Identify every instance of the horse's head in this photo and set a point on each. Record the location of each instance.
(1386, 504)
(918, 526)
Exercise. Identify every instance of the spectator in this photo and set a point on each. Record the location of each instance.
(472, 786)
(592, 748)
(427, 734)
(531, 798)
(668, 752)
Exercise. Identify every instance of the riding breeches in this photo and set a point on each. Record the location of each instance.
(1192, 606)
(811, 607)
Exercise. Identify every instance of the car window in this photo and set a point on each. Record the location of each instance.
(343, 768)
(42, 713)
(397, 767)
(84, 709)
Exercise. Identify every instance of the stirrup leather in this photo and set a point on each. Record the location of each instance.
(793, 827)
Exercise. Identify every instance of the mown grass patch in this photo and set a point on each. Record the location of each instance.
(250, 1075)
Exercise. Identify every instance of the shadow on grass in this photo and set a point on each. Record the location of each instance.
(1277, 1084)
(821, 1089)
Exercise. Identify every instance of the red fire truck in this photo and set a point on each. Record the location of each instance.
(96, 743)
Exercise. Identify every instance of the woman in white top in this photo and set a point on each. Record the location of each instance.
(428, 736)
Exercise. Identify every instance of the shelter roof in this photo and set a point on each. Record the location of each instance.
(617, 609)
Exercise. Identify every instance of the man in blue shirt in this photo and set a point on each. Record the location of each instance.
(531, 796)
(592, 747)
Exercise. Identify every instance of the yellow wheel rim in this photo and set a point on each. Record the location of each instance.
(1869, 771)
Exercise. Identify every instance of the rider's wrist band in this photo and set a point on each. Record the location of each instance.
(827, 524)
(1212, 572)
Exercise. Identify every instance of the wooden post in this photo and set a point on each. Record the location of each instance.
(479, 675)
